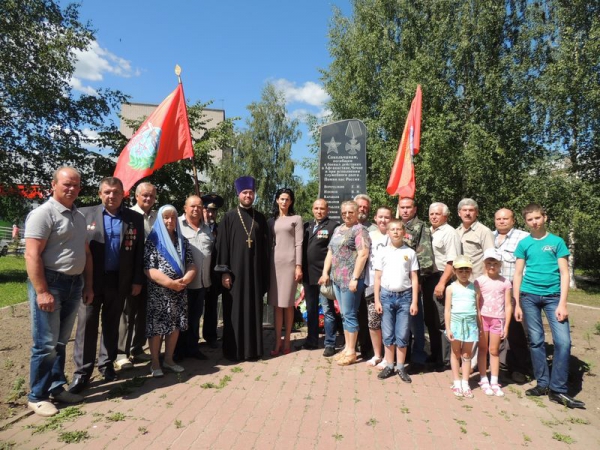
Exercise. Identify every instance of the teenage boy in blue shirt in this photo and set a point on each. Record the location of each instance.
(541, 282)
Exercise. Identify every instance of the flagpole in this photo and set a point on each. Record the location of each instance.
(194, 169)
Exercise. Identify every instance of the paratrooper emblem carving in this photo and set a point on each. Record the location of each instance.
(353, 131)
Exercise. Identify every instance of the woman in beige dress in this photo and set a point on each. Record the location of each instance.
(286, 231)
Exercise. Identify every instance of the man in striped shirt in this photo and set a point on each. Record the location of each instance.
(514, 352)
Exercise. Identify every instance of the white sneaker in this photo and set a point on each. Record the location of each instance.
(43, 408)
(123, 364)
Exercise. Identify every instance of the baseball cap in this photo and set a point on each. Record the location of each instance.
(462, 261)
(492, 253)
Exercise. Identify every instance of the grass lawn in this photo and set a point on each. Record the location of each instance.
(13, 288)
(587, 293)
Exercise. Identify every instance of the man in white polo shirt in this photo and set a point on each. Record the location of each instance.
(202, 242)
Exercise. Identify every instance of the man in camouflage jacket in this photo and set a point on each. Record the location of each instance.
(417, 237)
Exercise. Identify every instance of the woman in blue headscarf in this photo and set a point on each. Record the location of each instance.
(170, 268)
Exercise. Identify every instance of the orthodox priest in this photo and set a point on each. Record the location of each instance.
(242, 260)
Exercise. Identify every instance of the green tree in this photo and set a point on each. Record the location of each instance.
(511, 101)
(40, 116)
(568, 111)
(570, 81)
(263, 150)
(475, 117)
(307, 192)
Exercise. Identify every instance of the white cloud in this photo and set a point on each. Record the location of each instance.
(89, 135)
(324, 112)
(94, 62)
(310, 92)
(78, 86)
(89, 138)
(302, 113)
(299, 114)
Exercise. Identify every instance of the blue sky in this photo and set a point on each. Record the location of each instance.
(228, 51)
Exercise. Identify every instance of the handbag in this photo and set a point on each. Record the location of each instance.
(327, 291)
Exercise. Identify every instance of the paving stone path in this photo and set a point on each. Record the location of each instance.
(302, 401)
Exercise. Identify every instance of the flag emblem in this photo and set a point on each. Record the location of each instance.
(144, 146)
(163, 138)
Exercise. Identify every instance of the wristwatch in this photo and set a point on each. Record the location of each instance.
(354, 279)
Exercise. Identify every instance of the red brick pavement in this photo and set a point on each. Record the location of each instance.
(304, 401)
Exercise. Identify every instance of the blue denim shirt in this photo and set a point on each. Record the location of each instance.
(112, 240)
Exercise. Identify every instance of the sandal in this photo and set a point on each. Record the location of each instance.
(467, 393)
(486, 389)
(340, 355)
(457, 391)
(347, 360)
(497, 391)
(374, 361)
(382, 365)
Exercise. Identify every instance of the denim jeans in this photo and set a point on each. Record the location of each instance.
(417, 328)
(395, 323)
(329, 320)
(349, 302)
(532, 306)
(51, 332)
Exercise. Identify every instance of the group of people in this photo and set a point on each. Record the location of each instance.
(138, 275)
(151, 275)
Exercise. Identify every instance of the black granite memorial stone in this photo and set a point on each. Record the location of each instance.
(342, 163)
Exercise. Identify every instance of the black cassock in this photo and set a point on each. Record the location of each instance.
(249, 267)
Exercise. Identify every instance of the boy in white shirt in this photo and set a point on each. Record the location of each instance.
(396, 296)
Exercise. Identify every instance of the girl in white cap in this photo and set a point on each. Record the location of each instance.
(462, 323)
(496, 310)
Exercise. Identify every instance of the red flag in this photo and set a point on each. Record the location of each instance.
(402, 178)
(163, 138)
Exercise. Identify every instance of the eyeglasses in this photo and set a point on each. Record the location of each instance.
(346, 213)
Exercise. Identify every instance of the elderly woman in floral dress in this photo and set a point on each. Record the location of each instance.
(170, 268)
